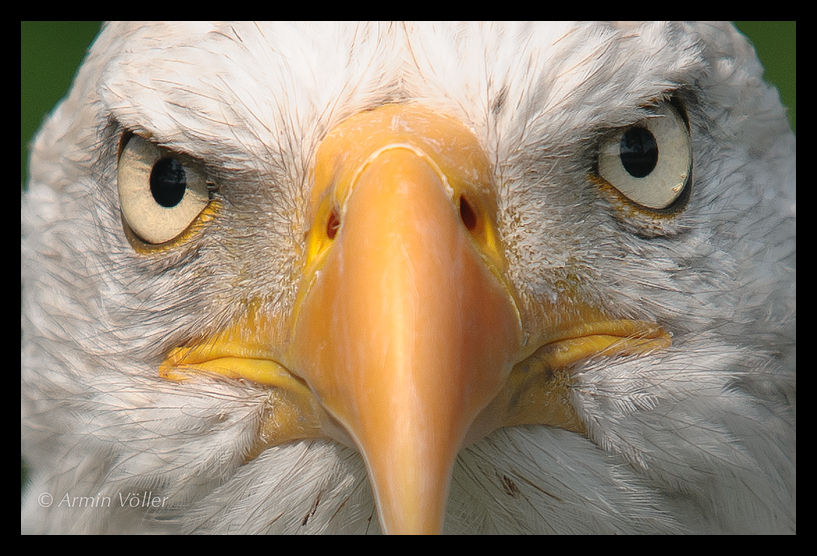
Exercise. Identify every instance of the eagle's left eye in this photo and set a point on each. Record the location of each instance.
(649, 162)
(160, 193)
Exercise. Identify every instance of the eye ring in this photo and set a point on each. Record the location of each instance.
(650, 162)
(160, 193)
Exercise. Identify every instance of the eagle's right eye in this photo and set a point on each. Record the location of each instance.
(650, 163)
(160, 193)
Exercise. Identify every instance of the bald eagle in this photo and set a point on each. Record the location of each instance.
(411, 278)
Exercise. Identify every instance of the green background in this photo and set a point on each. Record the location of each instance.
(50, 53)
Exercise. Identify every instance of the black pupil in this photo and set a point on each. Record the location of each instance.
(168, 182)
(639, 152)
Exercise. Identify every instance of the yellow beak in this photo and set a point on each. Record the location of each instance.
(406, 338)
(406, 330)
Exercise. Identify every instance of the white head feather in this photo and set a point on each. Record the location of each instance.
(699, 437)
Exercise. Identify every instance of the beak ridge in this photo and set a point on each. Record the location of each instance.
(406, 333)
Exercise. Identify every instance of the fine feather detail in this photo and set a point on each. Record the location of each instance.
(698, 438)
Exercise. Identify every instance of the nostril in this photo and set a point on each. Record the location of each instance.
(467, 214)
(332, 225)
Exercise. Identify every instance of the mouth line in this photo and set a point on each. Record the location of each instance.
(537, 390)
(562, 349)
(259, 369)
(606, 338)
